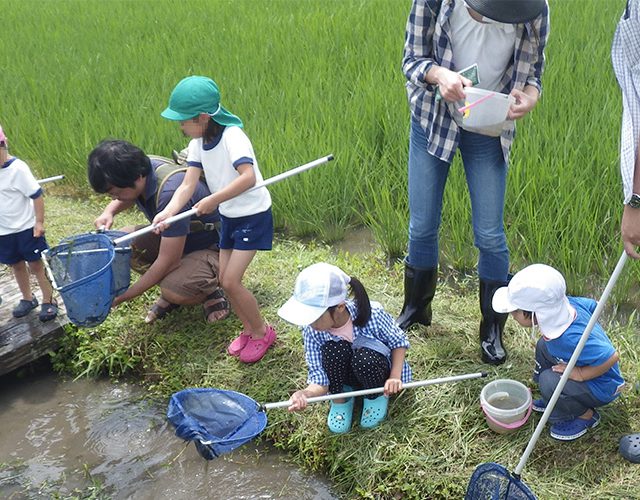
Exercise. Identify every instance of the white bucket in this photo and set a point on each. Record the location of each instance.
(506, 405)
(489, 116)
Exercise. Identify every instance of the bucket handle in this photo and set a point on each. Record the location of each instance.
(512, 425)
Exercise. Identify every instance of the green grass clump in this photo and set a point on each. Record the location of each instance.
(434, 437)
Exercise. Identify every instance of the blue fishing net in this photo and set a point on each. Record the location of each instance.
(492, 481)
(82, 271)
(217, 421)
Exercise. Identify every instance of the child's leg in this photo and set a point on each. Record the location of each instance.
(37, 269)
(336, 362)
(49, 309)
(576, 400)
(233, 264)
(370, 368)
(22, 278)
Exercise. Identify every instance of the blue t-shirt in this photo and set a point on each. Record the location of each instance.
(198, 240)
(597, 350)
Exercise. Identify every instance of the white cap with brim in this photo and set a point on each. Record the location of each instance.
(539, 289)
(318, 287)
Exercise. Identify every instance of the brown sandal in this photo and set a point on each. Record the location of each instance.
(215, 302)
(158, 312)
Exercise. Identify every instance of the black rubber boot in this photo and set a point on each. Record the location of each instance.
(419, 289)
(491, 325)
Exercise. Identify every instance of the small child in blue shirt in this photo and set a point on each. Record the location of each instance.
(536, 296)
(348, 343)
(22, 232)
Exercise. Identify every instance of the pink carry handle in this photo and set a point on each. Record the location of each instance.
(474, 104)
(512, 425)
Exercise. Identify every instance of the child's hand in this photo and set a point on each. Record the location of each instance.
(392, 386)
(298, 401)
(206, 205)
(38, 230)
(159, 221)
(576, 373)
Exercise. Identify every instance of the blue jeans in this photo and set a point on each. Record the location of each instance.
(486, 174)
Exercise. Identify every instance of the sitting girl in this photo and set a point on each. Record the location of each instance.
(347, 343)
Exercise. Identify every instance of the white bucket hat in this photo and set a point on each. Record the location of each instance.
(541, 290)
(318, 287)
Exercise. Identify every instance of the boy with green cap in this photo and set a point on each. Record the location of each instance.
(221, 149)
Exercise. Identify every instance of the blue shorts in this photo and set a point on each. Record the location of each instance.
(18, 247)
(252, 232)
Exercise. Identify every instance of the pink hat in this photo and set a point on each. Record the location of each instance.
(3, 138)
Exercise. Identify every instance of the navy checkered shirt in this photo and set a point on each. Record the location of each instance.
(428, 42)
(381, 326)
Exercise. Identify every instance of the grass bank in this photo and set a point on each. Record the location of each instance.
(317, 77)
(434, 437)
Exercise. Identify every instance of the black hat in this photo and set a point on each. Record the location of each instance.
(508, 11)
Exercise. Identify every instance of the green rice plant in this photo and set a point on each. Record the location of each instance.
(318, 77)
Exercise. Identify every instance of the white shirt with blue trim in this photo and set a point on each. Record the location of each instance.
(220, 159)
(18, 189)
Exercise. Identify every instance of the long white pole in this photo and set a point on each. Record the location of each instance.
(572, 362)
(193, 211)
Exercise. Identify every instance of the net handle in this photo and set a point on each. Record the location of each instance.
(376, 390)
(193, 211)
(572, 362)
(50, 179)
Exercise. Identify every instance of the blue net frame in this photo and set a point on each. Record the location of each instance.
(492, 481)
(216, 420)
(82, 270)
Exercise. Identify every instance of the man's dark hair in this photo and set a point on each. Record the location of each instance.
(115, 163)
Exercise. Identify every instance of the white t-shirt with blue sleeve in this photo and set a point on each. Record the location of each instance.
(18, 189)
(220, 159)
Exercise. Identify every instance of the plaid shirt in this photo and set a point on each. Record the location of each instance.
(625, 55)
(428, 42)
(381, 326)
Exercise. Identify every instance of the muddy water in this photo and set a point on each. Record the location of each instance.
(62, 438)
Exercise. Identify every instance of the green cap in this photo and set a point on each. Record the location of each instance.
(195, 95)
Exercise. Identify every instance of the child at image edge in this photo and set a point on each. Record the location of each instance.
(22, 232)
(536, 296)
(348, 344)
(220, 147)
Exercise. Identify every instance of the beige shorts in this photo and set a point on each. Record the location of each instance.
(196, 275)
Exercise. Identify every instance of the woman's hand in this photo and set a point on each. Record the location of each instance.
(298, 401)
(525, 102)
(451, 84)
(392, 386)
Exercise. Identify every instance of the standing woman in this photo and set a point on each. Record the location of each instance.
(506, 39)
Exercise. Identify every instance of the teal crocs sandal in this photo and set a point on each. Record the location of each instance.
(341, 414)
(374, 411)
